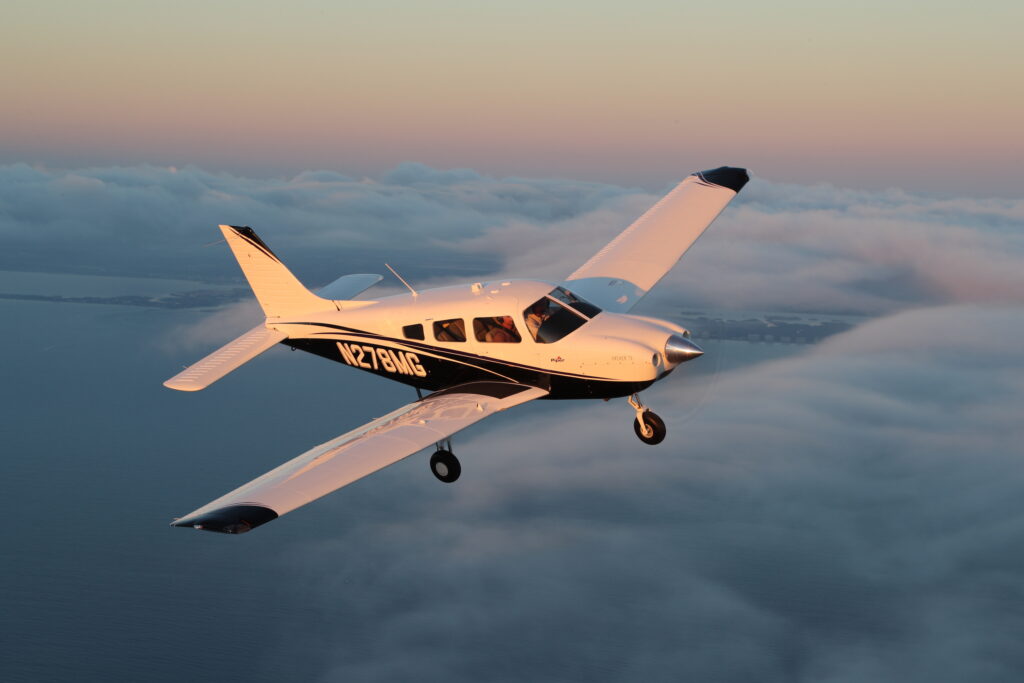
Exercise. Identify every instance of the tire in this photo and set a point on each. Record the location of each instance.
(445, 466)
(656, 425)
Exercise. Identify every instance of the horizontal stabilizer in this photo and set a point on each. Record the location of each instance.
(225, 359)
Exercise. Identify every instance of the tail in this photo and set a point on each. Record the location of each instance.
(277, 290)
(280, 294)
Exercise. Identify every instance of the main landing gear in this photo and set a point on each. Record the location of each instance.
(648, 427)
(444, 464)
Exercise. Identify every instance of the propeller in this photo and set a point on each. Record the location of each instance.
(696, 381)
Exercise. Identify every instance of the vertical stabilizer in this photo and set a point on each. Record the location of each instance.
(277, 290)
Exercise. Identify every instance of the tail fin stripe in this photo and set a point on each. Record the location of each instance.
(250, 236)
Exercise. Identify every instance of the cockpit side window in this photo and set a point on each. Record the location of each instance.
(496, 329)
(453, 330)
(413, 331)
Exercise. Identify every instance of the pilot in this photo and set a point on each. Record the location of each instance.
(536, 316)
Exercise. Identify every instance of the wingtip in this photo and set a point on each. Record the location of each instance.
(233, 519)
(726, 176)
(179, 385)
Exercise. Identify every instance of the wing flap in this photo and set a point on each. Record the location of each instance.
(616, 277)
(356, 454)
(229, 357)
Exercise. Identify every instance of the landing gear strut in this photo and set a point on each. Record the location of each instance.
(648, 427)
(444, 464)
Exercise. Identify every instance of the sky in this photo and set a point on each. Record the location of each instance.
(836, 512)
(920, 96)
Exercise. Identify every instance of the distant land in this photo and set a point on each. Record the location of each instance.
(199, 298)
(773, 328)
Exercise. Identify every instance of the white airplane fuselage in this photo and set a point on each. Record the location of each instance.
(607, 355)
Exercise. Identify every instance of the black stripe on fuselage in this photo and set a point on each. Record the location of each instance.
(441, 372)
(492, 389)
(453, 353)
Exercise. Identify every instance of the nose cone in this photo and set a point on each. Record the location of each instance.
(679, 350)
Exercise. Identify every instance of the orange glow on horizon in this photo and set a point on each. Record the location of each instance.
(525, 87)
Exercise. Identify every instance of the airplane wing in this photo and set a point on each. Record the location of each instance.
(354, 455)
(619, 275)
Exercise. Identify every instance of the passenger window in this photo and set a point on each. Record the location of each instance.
(413, 331)
(498, 329)
(453, 330)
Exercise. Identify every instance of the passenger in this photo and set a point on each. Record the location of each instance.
(502, 330)
(450, 330)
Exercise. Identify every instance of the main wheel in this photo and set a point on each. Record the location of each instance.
(445, 466)
(655, 432)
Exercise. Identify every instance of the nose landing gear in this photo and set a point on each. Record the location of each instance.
(444, 464)
(648, 426)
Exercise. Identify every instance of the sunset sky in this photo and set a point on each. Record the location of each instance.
(922, 96)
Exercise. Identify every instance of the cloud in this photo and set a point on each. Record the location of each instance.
(810, 248)
(214, 329)
(849, 513)
(777, 247)
(156, 221)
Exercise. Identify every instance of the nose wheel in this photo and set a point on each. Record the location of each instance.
(445, 465)
(648, 426)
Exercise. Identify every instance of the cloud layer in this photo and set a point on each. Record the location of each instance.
(848, 514)
(777, 247)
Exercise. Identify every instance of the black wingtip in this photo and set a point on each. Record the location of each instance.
(726, 176)
(234, 519)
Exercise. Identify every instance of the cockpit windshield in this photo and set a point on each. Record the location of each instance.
(565, 296)
(554, 316)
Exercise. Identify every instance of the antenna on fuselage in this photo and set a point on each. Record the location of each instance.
(395, 273)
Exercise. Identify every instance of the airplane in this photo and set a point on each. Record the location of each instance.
(478, 349)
